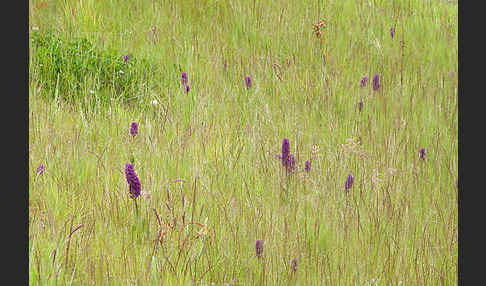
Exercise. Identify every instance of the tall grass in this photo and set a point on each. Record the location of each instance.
(207, 160)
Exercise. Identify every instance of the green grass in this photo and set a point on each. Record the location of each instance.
(80, 70)
(397, 225)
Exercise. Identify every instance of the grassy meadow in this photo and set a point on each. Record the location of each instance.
(212, 182)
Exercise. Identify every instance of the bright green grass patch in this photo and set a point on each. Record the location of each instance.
(72, 69)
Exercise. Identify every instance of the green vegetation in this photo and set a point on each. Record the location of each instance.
(212, 184)
(77, 69)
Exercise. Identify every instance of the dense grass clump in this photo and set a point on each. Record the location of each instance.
(76, 68)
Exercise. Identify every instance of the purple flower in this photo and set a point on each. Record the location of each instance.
(134, 129)
(259, 248)
(376, 82)
(184, 78)
(392, 31)
(307, 166)
(188, 88)
(133, 182)
(288, 160)
(248, 82)
(364, 80)
(290, 163)
(285, 151)
(126, 58)
(422, 154)
(360, 106)
(349, 182)
(294, 263)
(41, 169)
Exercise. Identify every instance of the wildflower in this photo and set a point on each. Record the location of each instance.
(188, 88)
(134, 129)
(41, 169)
(126, 58)
(259, 248)
(376, 82)
(307, 166)
(294, 264)
(349, 182)
(290, 163)
(133, 182)
(248, 82)
(422, 154)
(392, 31)
(285, 150)
(360, 106)
(184, 78)
(317, 27)
(364, 80)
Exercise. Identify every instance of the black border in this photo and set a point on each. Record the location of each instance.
(15, 192)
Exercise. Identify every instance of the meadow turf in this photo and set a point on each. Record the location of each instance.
(212, 182)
